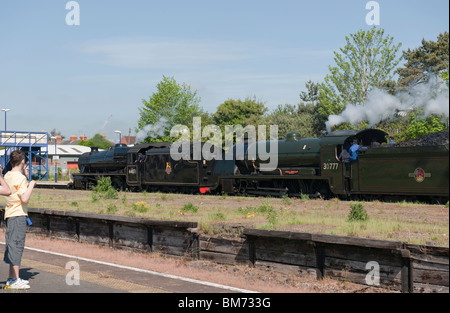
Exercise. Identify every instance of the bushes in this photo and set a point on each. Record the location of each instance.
(357, 213)
(104, 189)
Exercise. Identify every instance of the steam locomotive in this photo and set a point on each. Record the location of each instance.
(310, 166)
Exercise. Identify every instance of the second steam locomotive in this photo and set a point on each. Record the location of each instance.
(310, 166)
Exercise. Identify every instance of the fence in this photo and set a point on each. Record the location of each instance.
(388, 264)
(169, 237)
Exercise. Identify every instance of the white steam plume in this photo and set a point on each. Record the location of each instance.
(433, 97)
(153, 130)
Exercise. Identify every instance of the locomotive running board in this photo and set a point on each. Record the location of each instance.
(277, 192)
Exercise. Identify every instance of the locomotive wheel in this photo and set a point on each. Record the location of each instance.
(305, 187)
(117, 184)
(321, 189)
(298, 187)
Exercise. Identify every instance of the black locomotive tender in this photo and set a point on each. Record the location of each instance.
(309, 166)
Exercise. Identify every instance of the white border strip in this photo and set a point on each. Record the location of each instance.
(195, 281)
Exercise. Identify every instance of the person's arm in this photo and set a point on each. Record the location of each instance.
(4, 190)
(25, 197)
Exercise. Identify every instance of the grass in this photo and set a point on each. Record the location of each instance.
(189, 207)
(412, 223)
(140, 207)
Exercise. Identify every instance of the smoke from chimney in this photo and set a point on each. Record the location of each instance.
(432, 97)
(153, 130)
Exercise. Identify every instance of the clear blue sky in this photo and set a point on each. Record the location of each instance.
(73, 78)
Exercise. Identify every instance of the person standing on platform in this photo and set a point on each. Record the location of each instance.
(16, 213)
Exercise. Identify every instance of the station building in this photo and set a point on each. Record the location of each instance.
(43, 155)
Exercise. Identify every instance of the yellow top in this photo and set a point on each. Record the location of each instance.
(18, 184)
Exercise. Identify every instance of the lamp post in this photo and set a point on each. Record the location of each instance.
(5, 110)
(54, 160)
(120, 135)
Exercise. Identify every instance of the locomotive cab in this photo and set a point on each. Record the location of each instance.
(341, 172)
(136, 159)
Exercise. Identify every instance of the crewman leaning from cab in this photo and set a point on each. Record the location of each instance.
(354, 150)
(344, 156)
(391, 142)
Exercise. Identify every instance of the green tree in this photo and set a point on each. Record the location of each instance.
(311, 95)
(294, 118)
(420, 126)
(302, 117)
(172, 103)
(98, 141)
(445, 77)
(368, 60)
(430, 57)
(238, 112)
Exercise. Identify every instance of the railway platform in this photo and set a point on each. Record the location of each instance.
(50, 272)
(52, 185)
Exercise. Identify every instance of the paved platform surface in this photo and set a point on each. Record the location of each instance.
(52, 184)
(47, 273)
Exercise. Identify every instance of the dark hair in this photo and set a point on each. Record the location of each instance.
(17, 156)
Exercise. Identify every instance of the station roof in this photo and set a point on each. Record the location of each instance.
(68, 150)
(64, 150)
